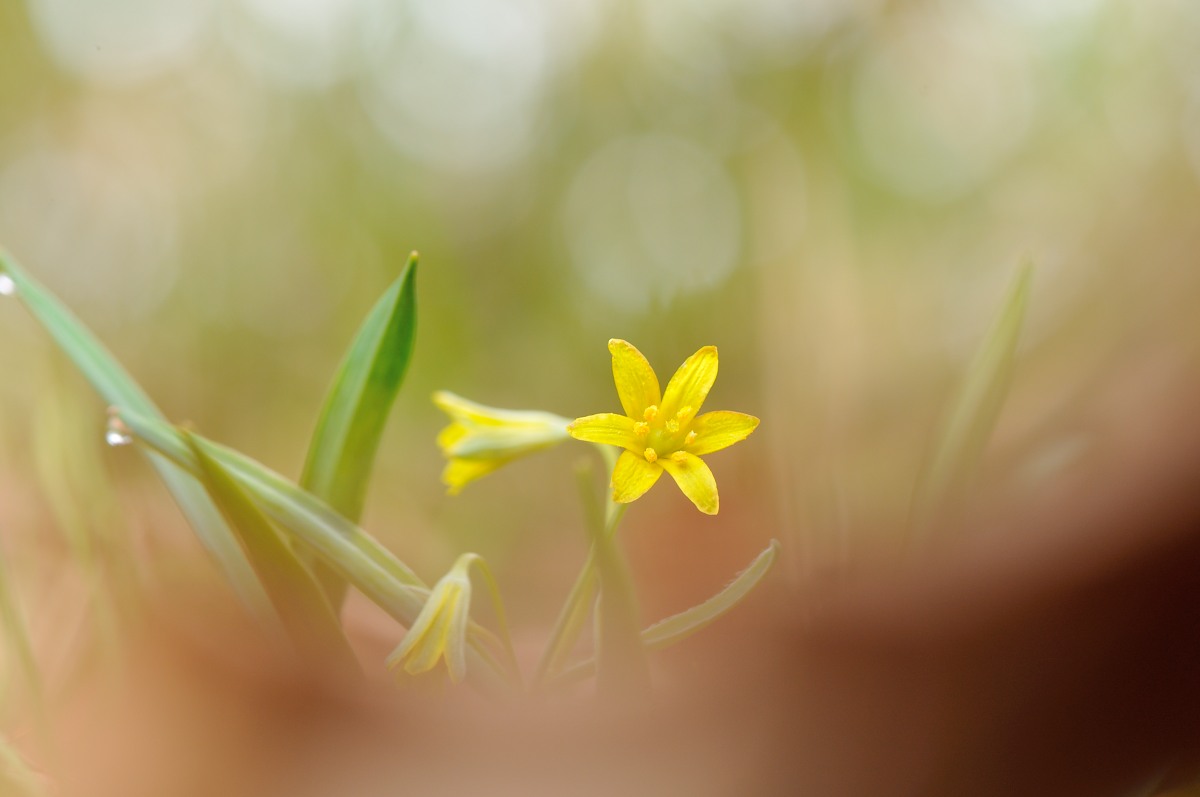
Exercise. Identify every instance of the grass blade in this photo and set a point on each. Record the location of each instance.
(680, 626)
(342, 451)
(117, 387)
(973, 412)
(353, 554)
(309, 620)
(343, 447)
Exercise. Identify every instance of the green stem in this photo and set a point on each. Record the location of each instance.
(620, 657)
(579, 600)
(501, 618)
(570, 620)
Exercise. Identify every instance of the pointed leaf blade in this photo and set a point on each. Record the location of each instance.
(680, 626)
(356, 408)
(342, 452)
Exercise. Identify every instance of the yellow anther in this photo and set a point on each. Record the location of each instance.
(641, 429)
(651, 412)
(685, 414)
(691, 438)
(672, 426)
(679, 456)
(651, 455)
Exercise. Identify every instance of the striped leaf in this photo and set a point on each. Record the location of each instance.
(353, 554)
(309, 620)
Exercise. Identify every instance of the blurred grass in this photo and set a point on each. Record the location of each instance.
(971, 415)
(116, 386)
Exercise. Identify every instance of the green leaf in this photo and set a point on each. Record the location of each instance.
(680, 626)
(117, 387)
(356, 408)
(352, 553)
(972, 415)
(309, 620)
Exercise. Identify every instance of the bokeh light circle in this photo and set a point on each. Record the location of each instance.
(651, 217)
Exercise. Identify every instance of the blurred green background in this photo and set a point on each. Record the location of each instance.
(834, 193)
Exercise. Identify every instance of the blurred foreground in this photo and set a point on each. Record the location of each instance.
(1053, 652)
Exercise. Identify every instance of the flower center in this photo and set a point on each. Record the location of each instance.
(664, 435)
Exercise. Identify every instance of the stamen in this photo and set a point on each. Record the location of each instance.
(641, 429)
(679, 456)
(685, 414)
(672, 426)
(691, 438)
(651, 455)
(651, 412)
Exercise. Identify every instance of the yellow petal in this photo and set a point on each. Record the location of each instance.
(451, 435)
(607, 428)
(424, 641)
(637, 384)
(694, 478)
(473, 414)
(632, 477)
(428, 649)
(691, 383)
(461, 409)
(455, 647)
(505, 441)
(458, 473)
(717, 430)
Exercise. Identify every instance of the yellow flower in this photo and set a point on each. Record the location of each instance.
(440, 630)
(661, 430)
(481, 439)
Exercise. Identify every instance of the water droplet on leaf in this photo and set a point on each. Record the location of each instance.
(115, 437)
(117, 433)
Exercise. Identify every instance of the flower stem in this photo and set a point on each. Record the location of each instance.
(604, 570)
(570, 620)
(501, 618)
(578, 604)
(620, 657)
